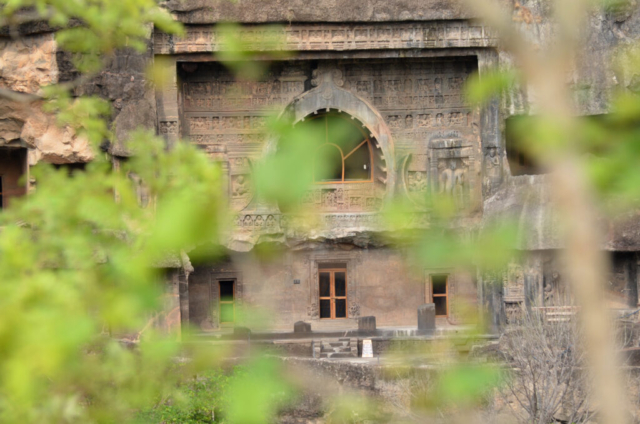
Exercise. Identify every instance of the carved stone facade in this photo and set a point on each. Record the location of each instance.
(424, 139)
(419, 101)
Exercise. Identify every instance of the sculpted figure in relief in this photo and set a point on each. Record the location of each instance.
(452, 181)
(458, 185)
(445, 180)
(240, 186)
(417, 181)
(492, 169)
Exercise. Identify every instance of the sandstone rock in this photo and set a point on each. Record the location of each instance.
(253, 11)
(28, 63)
(52, 143)
(12, 118)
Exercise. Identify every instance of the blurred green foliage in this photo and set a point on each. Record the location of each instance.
(82, 257)
(79, 270)
(200, 399)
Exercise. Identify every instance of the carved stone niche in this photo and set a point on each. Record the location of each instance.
(452, 168)
(513, 287)
(414, 177)
(240, 192)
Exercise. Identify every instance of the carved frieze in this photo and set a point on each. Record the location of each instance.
(222, 113)
(355, 197)
(168, 127)
(263, 223)
(336, 37)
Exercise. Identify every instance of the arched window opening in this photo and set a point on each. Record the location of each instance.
(346, 154)
(328, 163)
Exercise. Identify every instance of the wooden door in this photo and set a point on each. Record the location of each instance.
(333, 293)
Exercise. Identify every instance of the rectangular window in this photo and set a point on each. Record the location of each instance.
(227, 302)
(440, 293)
(332, 291)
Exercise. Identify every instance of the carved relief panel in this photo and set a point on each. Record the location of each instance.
(344, 198)
(416, 97)
(435, 134)
(453, 168)
(240, 193)
(227, 118)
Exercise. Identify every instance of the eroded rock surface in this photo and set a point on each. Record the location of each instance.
(28, 63)
(52, 143)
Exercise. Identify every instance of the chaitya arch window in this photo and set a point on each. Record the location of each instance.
(345, 154)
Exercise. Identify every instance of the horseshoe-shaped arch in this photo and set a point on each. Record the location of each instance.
(328, 96)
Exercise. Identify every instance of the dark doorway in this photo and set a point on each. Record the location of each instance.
(440, 293)
(227, 301)
(13, 165)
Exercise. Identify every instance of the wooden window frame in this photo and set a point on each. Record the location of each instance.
(332, 291)
(226, 302)
(446, 290)
(367, 141)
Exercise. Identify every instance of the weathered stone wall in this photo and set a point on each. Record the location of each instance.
(380, 283)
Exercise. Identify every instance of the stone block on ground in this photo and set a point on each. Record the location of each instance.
(427, 318)
(367, 324)
(241, 331)
(301, 327)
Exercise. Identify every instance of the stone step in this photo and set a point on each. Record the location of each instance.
(332, 348)
(338, 355)
(346, 350)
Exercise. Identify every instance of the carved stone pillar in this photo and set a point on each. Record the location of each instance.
(493, 147)
(167, 100)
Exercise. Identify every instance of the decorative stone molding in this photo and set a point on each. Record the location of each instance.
(335, 37)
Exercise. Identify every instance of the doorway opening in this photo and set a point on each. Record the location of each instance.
(227, 307)
(440, 293)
